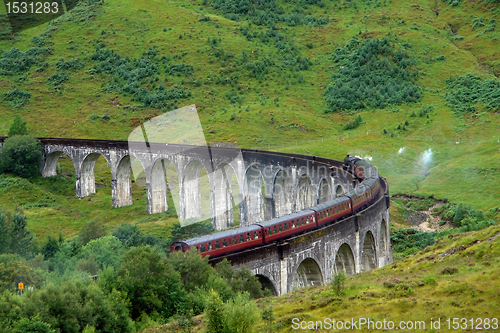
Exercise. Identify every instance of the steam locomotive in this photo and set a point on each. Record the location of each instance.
(279, 228)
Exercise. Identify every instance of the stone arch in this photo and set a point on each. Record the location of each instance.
(305, 193)
(323, 191)
(308, 274)
(344, 260)
(368, 256)
(50, 163)
(282, 193)
(86, 181)
(254, 195)
(382, 244)
(196, 205)
(267, 284)
(339, 190)
(223, 194)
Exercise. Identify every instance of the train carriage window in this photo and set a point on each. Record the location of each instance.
(217, 244)
(242, 238)
(275, 231)
(270, 232)
(210, 246)
(235, 240)
(280, 229)
(260, 234)
(249, 238)
(255, 236)
(303, 221)
(327, 213)
(224, 242)
(202, 248)
(285, 226)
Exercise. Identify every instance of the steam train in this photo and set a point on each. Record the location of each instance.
(279, 228)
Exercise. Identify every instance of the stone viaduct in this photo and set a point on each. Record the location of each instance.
(269, 184)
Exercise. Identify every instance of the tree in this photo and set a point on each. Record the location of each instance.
(193, 268)
(129, 234)
(91, 230)
(32, 325)
(22, 241)
(151, 284)
(18, 127)
(239, 315)
(21, 154)
(107, 251)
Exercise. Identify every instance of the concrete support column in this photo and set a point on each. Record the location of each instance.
(85, 181)
(284, 277)
(121, 184)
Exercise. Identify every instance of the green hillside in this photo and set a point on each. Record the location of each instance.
(273, 75)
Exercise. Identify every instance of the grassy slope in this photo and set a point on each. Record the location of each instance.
(466, 172)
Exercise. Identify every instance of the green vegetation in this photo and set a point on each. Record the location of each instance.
(372, 73)
(354, 122)
(18, 127)
(468, 90)
(21, 154)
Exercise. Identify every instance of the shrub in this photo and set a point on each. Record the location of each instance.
(449, 270)
(373, 73)
(21, 154)
(354, 122)
(32, 325)
(17, 98)
(57, 79)
(91, 230)
(466, 91)
(338, 281)
(70, 65)
(18, 127)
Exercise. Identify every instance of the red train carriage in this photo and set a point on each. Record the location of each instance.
(288, 225)
(222, 242)
(333, 210)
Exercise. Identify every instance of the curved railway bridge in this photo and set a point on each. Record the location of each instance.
(260, 184)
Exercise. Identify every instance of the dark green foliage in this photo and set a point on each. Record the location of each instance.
(139, 77)
(17, 98)
(104, 117)
(373, 73)
(18, 127)
(70, 65)
(50, 247)
(129, 234)
(267, 12)
(453, 3)
(91, 230)
(21, 154)
(354, 122)
(423, 111)
(32, 325)
(16, 62)
(57, 79)
(410, 240)
(70, 307)
(22, 241)
(179, 232)
(152, 286)
(466, 91)
(192, 267)
(237, 316)
(240, 281)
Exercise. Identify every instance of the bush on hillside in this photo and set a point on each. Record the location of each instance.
(17, 98)
(21, 154)
(18, 127)
(373, 73)
(91, 230)
(466, 91)
(354, 122)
